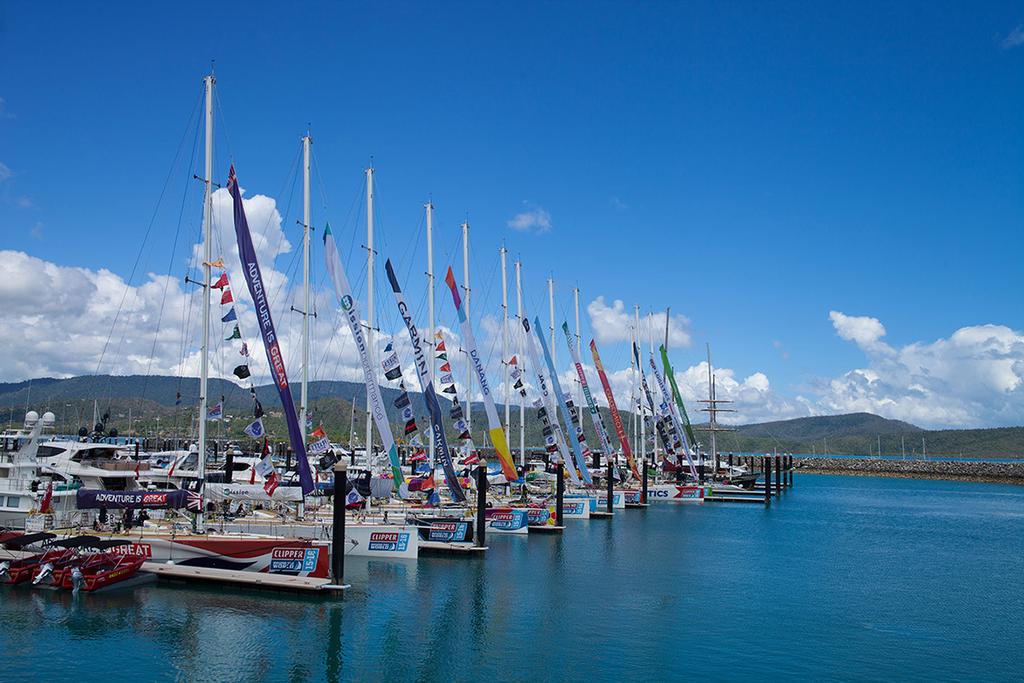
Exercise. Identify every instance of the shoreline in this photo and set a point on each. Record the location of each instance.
(949, 470)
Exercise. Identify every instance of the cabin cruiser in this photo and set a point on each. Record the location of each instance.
(32, 467)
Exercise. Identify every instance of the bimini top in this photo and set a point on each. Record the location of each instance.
(27, 539)
(77, 542)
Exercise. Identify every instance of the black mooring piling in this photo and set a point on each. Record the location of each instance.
(338, 530)
(481, 504)
(611, 484)
(767, 464)
(643, 491)
(778, 475)
(559, 494)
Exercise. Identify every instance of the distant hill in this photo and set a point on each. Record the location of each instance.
(150, 402)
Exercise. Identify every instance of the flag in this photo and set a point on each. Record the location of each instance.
(235, 334)
(44, 505)
(427, 484)
(221, 282)
(391, 365)
(244, 350)
(241, 371)
(252, 475)
(177, 399)
(136, 469)
(230, 316)
(225, 297)
(442, 356)
(434, 498)
(353, 500)
(419, 455)
(266, 470)
(445, 368)
(257, 408)
(472, 459)
(216, 412)
(446, 379)
(319, 446)
(309, 419)
(255, 429)
(266, 447)
(318, 433)
(450, 389)
(219, 263)
(194, 502)
(513, 361)
(440, 348)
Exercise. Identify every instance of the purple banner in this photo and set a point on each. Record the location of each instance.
(254, 279)
(93, 498)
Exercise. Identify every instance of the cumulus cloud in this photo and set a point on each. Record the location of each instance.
(973, 378)
(864, 331)
(614, 323)
(5, 172)
(532, 219)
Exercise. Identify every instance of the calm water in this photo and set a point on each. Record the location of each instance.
(846, 578)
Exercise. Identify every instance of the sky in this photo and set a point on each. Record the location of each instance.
(830, 195)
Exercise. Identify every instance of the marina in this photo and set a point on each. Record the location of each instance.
(841, 557)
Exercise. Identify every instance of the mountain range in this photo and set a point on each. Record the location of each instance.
(148, 405)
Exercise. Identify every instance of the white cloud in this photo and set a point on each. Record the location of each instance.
(532, 219)
(1013, 38)
(973, 378)
(36, 232)
(862, 330)
(5, 172)
(614, 323)
(618, 204)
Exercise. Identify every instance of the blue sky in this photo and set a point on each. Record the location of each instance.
(753, 166)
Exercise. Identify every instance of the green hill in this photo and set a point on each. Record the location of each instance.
(147, 406)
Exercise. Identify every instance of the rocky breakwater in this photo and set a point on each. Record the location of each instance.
(1006, 472)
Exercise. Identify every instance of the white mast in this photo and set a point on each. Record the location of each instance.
(369, 305)
(713, 405)
(636, 359)
(520, 337)
(504, 337)
(469, 362)
(307, 142)
(551, 314)
(204, 361)
(429, 206)
(650, 338)
(579, 385)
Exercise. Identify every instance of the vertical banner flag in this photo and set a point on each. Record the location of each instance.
(676, 395)
(494, 427)
(254, 279)
(574, 441)
(595, 415)
(420, 356)
(549, 418)
(374, 400)
(674, 419)
(620, 429)
(659, 424)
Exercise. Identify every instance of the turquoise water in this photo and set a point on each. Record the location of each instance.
(851, 578)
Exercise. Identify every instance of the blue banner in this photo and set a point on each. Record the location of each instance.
(254, 279)
(420, 360)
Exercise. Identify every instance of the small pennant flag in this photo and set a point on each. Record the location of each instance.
(44, 505)
(257, 408)
(225, 297)
(235, 334)
(318, 433)
(472, 459)
(219, 263)
(230, 316)
(448, 389)
(440, 345)
(442, 356)
(319, 446)
(242, 371)
(255, 429)
(216, 412)
(446, 379)
(353, 500)
(265, 467)
(245, 350)
(221, 282)
(419, 456)
(513, 361)
(446, 368)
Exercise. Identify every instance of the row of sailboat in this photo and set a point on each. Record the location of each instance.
(392, 514)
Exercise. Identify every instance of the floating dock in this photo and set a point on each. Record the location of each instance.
(233, 576)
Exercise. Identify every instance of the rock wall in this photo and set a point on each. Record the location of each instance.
(1011, 472)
